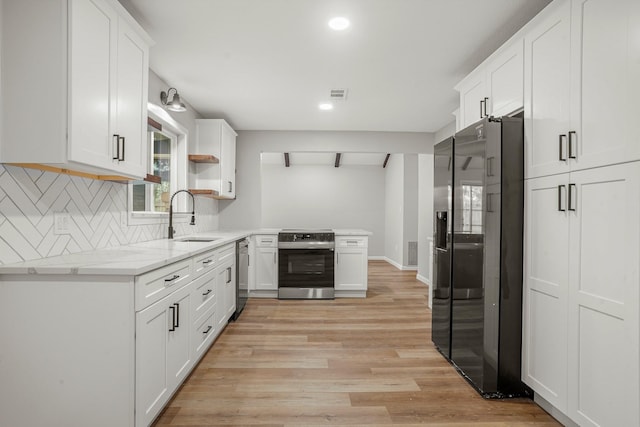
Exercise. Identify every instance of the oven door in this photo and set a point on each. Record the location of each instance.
(305, 268)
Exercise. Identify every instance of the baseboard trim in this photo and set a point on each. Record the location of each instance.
(400, 266)
(421, 278)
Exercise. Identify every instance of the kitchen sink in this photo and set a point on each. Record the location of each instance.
(198, 239)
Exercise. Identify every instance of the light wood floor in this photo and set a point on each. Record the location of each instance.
(367, 362)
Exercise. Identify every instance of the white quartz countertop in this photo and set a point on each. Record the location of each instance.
(129, 260)
(139, 258)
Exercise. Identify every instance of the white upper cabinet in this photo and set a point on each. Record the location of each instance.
(75, 81)
(547, 76)
(493, 89)
(605, 82)
(582, 63)
(216, 137)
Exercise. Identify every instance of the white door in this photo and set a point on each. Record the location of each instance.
(179, 360)
(504, 80)
(546, 281)
(266, 269)
(93, 26)
(152, 381)
(351, 269)
(606, 82)
(547, 50)
(604, 294)
(130, 120)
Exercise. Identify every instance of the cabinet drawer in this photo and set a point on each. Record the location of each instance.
(226, 253)
(266, 240)
(356, 242)
(204, 332)
(203, 295)
(204, 263)
(155, 285)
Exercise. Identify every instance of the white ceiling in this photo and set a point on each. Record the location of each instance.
(267, 64)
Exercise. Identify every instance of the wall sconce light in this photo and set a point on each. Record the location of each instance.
(173, 104)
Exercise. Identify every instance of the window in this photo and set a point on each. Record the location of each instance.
(167, 150)
(472, 209)
(163, 149)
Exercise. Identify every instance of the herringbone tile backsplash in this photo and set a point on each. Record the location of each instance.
(29, 198)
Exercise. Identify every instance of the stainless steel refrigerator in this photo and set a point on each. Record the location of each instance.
(477, 272)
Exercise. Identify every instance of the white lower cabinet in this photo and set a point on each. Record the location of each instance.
(264, 264)
(226, 294)
(582, 338)
(163, 352)
(351, 266)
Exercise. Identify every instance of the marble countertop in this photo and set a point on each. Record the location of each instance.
(139, 258)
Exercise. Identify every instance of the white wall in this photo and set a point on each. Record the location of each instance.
(425, 215)
(323, 196)
(410, 214)
(394, 210)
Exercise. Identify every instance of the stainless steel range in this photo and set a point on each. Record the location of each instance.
(305, 266)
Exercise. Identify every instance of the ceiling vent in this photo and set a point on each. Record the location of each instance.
(338, 94)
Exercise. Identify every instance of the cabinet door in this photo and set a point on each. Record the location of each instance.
(547, 51)
(606, 82)
(351, 269)
(130, 115)
(92, 44)
(152, 349)
(504, 80)
(266, 269)
(604, 294)
(230, 289)
(472, 99)
(224, 282)
(546, 281)
(179, 348)
(228, 162)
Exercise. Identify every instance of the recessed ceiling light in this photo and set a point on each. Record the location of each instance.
(339, 23)
(326, 106)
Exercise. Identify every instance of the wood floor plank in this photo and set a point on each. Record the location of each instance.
(347, 362)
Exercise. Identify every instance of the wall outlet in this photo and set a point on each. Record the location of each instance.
(61, 222)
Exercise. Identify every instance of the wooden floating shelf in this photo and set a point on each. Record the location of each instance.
(154, 179)
(212, 194)
(203, 158)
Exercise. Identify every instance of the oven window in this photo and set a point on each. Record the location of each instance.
(305, 264)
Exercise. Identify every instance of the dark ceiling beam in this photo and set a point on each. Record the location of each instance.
(465, 165)
(338, 155)
(286, 160)
(386, 160)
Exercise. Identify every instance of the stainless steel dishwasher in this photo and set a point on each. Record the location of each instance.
(242, 275)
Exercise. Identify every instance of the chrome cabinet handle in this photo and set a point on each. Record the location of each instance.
(209, 261)
(481, 109)
(230, 186)
(485, 106)
(228, 274)
(177, 315)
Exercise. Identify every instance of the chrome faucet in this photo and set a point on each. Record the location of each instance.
(193, 211)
